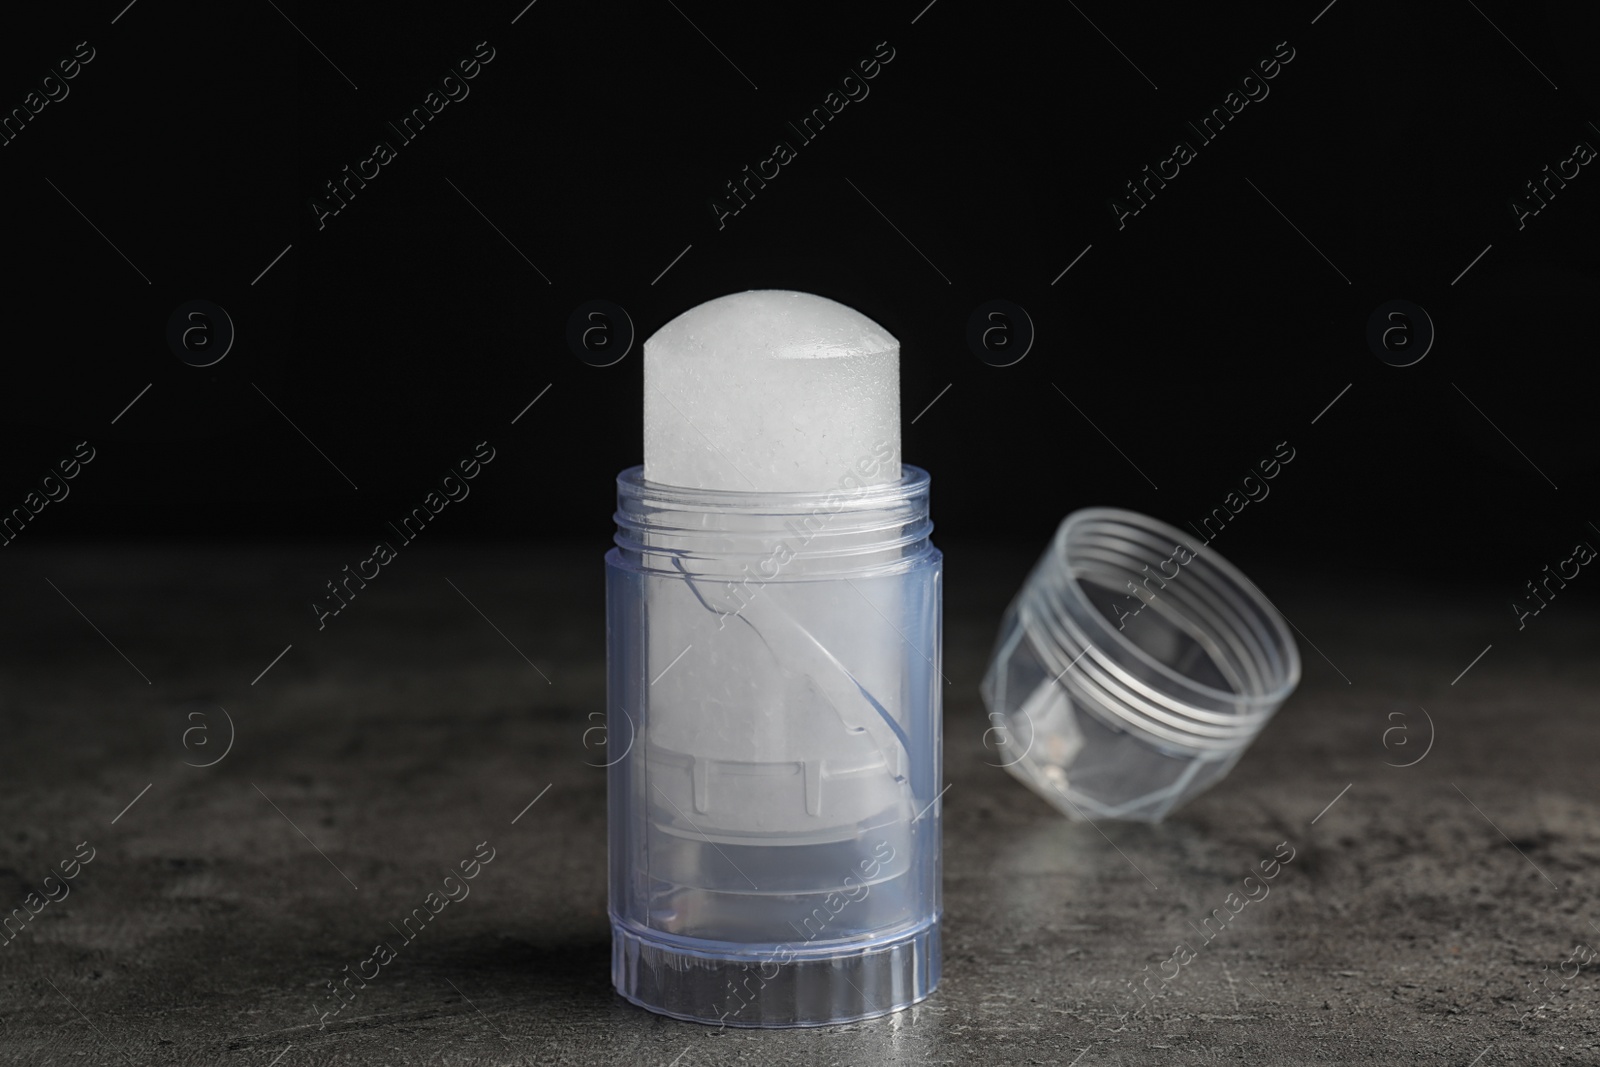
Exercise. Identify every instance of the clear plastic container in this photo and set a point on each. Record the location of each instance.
(1133, 668)
(773, 671)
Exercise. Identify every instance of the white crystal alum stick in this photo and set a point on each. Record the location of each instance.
(770, 391)
(773, 644)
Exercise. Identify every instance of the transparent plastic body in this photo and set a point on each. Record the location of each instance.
(1133, 669)
(773, 692)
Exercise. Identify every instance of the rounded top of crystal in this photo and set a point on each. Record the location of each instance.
(771, 391)
(772, 324)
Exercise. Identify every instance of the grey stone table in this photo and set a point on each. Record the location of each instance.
(1430, 914)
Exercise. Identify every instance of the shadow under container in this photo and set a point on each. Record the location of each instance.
(1133, 669)
(773, 720)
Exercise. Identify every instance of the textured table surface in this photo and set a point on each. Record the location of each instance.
(1429, 916)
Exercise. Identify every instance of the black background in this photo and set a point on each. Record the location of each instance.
(1196, 338)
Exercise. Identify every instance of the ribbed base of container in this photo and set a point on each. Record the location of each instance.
(774, 986)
